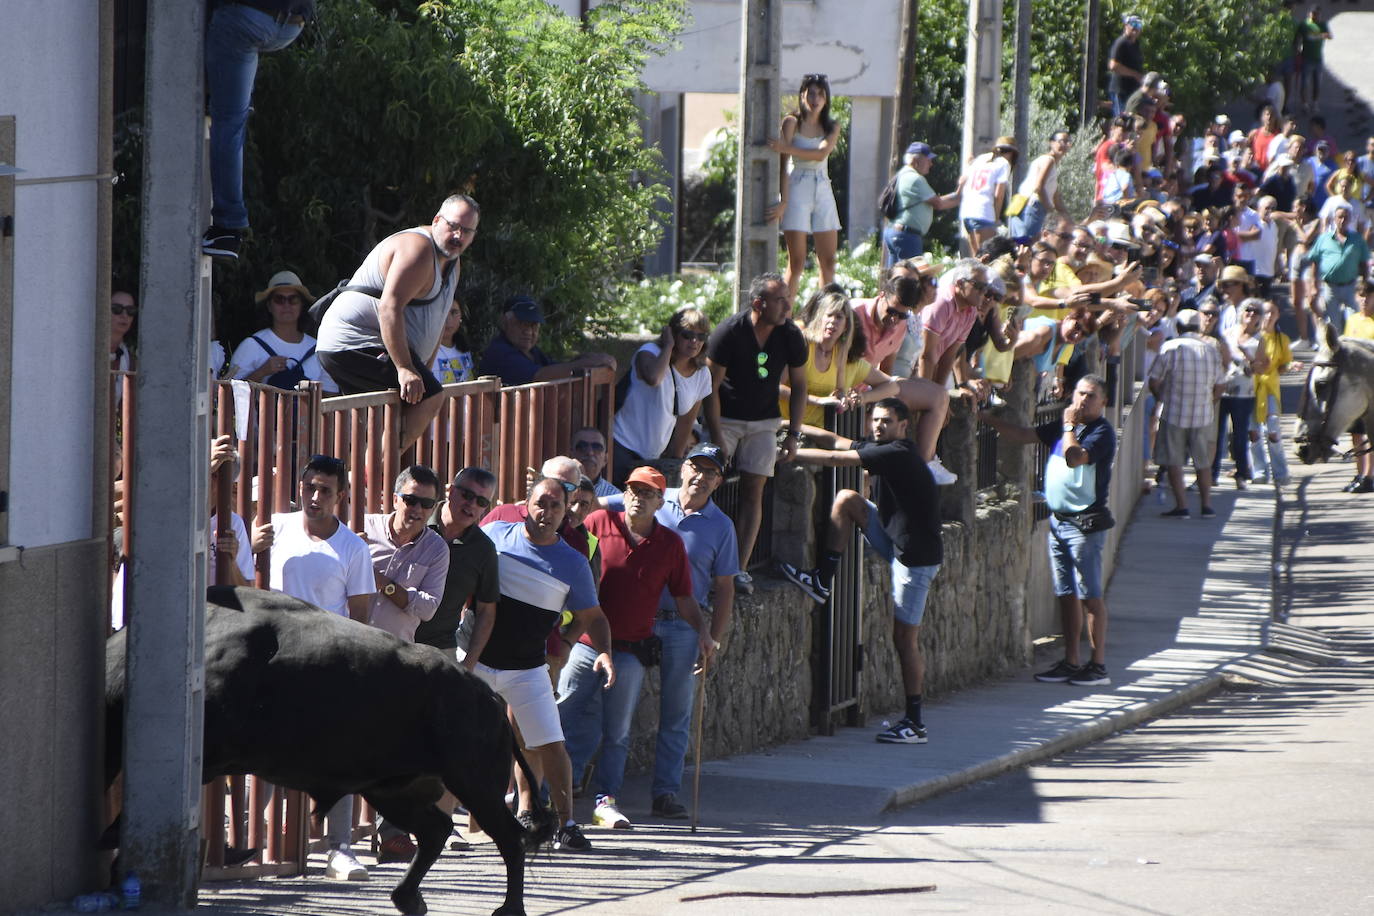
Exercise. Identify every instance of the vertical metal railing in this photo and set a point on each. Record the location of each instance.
(839, 622)
(537, 421)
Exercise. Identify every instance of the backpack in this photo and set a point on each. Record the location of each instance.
(289, 377)
(887, 199)
(322, 304)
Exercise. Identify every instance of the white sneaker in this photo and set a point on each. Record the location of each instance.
(343, 866)
(607, 814)
(744, 583)
(943, 475)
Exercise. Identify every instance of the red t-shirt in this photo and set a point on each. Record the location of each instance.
(634, 576)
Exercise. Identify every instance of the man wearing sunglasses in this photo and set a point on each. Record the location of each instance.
(408, 560)
(589, 448)
(394, 309)
(946, 321)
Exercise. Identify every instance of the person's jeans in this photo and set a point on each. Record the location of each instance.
(1238, 411)
(681, 648)
(592, 715)
(1029, 222)
(900, 244)
(1338, 300)
(236, 36)
(339, 823)
(1267, 452)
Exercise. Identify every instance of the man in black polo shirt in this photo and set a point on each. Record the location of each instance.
(1125, 63)
(903, 527)
(472, 568)
(748, 354)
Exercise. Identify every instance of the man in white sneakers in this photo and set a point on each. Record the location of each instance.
(317, 559)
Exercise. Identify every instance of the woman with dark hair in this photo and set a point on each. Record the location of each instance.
(807, 203)
(282, 354)
(665, 385)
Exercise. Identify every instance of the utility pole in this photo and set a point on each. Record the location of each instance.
(1087, 102)
(1021, 100)
(757, 170)
(982, 77)
(904, 94)
(164, 700)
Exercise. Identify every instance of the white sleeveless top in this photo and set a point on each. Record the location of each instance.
(808, 165)
(352, 320)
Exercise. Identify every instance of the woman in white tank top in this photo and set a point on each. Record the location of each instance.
(807, 203)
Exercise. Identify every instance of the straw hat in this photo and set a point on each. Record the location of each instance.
(285, 279)
(1236, 273)
(1006, 144)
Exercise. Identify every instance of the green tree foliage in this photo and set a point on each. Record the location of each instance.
(383, 108)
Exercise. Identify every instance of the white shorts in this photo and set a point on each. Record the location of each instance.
(810, 203)
(530, 695)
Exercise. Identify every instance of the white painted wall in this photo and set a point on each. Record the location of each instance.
(49, 60)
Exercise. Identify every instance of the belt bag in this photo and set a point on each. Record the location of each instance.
(1089, 521)
(649, 650)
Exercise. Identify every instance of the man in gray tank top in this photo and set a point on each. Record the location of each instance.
(375, 343)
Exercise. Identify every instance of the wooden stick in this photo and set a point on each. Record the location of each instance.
(696, 767)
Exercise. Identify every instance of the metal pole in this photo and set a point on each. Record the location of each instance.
(760, 101)
(696, 766)
(1021, 83)
(904, 93)
(983, 77)
(1087, 103)
(163, 722)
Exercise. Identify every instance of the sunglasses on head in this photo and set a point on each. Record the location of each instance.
(412, 500)
(117, 308)
(481, 501)
(815, 78)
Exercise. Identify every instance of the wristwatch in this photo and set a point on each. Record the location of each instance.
(1068, 427)
(389, 589)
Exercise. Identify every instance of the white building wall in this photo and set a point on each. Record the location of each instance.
(49, 80)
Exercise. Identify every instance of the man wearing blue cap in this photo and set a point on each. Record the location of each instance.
(917, 202)
(1125, 63)
(514, 354)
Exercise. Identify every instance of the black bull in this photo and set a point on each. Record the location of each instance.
(313, 701)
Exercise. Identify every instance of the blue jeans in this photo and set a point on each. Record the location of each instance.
(1267, 453)
(900, 244)
(236, 36)
(1029, 222)
(1076, 559)
(681, 648)
(592, 715)
(1238, 411)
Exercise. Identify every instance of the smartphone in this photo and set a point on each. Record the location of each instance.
(1132, 255)
(1094, 298)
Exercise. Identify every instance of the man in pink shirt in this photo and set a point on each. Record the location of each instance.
(947, 320)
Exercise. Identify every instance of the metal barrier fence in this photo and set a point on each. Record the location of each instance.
(276, 433)
(838, 630)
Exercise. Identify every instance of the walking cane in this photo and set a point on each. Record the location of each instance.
(696, 766)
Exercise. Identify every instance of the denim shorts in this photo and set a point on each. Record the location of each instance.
(977, 225)
(1076, 559)
(910, 584)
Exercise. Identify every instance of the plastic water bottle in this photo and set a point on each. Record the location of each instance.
(132, 892)
(95, 903)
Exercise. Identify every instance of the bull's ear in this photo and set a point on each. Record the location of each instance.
(1333, 340)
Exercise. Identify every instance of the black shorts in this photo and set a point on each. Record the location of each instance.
(371, 369)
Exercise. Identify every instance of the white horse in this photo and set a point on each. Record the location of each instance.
(1340, 390)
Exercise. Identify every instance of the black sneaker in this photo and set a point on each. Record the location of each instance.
(526, 820)
(669, 808)
(1060, 673)
(1208, 512)
(1181, 512)
(805, 579)
(218, 242)
(1092, 675)
(903, 732)
(1350, 487)
(1366, 485)
(570, 836)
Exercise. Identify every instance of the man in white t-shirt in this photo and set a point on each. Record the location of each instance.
(317, 559)
(984, 187)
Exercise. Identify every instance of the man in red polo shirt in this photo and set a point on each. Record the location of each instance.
(639, 559)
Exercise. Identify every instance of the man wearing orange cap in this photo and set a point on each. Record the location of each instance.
(640, 557)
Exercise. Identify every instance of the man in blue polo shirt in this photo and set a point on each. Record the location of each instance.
(514, 354)
(713, 557)
(1077, 474)
(1342, 257)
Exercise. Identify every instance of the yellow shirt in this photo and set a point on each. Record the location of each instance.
(822, 384)
(1359, 326)
(1276, 347)
(1062, 277)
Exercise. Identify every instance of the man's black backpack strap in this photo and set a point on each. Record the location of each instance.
(322, 304)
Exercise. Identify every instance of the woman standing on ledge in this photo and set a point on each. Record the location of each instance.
(807, 203)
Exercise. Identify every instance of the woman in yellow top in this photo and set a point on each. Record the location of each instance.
(838, 375)
(1267, 458)
(1361, 327)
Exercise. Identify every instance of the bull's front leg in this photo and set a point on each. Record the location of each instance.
(431, 828)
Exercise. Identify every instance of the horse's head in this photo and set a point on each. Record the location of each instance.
(1331, 400)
